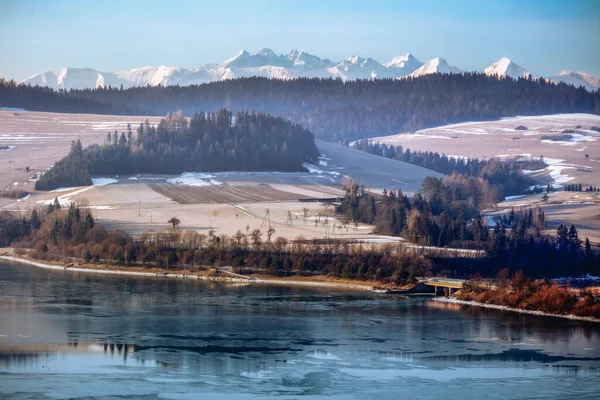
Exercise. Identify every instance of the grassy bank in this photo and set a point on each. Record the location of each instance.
(206, 273)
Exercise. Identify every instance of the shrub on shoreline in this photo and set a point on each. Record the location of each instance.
(528, 294)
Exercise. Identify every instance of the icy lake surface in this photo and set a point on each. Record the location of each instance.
(73, 335)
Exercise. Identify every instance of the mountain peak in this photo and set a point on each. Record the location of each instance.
(433, 66)
(403, 64)
(506, 67)
(565, 72)
(266, 52)
(354, 59)
(577, 79)
(239, 58)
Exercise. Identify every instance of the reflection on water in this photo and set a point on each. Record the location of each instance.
(73, 335)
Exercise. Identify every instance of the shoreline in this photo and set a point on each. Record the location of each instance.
(164, 274)
(452, 300)
(287, 282)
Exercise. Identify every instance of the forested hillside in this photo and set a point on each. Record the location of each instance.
(504, 175)
(336, 110)
(209, 142)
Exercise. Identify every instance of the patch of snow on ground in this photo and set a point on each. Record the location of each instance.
(506, 198)
(65, 199)
(107, 125)
(314, 170)
(426, 136)
(63, 189)
(103, 181)
(195, 179)
(556, 173)
(324, 160)
(574, 141)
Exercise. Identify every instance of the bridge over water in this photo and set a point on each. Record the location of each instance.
(448, 283)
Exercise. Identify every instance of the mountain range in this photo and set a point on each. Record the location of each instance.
(296, 64)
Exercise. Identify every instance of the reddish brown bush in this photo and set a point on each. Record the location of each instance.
(528, 294)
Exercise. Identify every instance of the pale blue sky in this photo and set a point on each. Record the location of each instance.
(543, 36)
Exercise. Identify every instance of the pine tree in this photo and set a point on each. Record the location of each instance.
(574, 242)
(35, 219)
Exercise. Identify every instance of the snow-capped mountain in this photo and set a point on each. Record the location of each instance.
(304, 61)
(589, 82)
(296, 64)
(437, 65)
(355, 67)
(506, 67)
(76, 78)
(403, 65)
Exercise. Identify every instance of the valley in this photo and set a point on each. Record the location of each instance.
(223, 202)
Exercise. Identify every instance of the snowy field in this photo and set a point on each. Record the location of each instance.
(37, 139)
(566, 159)
(224, 202)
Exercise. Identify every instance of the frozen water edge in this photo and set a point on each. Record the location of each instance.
(454, 300)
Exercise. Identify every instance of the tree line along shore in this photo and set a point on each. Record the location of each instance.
(55, 232)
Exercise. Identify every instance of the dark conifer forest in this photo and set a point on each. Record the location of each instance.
(445, 214)
(36, 98)
(332, 109)
(209, 142)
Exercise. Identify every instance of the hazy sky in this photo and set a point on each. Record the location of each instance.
(543, 36)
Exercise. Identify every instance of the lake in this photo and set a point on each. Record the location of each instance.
(76, 335)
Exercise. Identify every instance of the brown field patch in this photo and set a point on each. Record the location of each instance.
(223, 193)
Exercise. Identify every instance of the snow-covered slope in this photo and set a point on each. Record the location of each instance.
(506, 67)
(437, 65)
(577, 79)
(295, 64)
